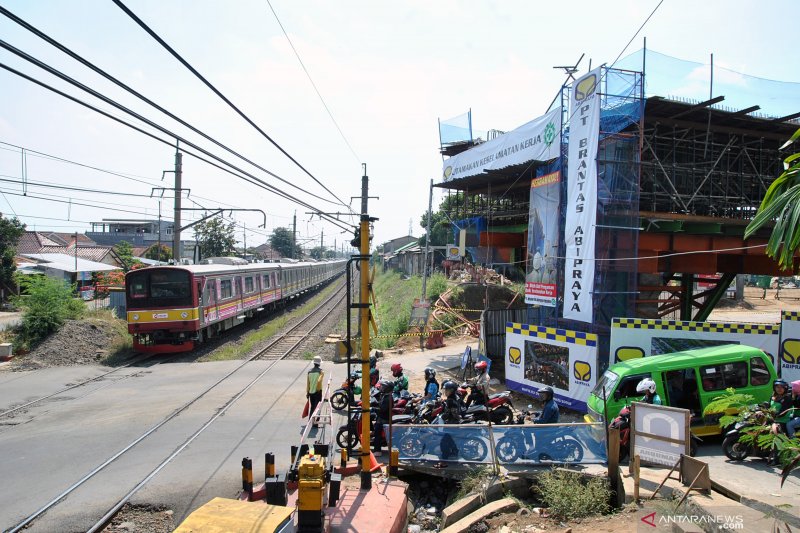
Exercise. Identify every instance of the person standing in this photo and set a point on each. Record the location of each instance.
(314, 380)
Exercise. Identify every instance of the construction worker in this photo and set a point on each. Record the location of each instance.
(314, 384)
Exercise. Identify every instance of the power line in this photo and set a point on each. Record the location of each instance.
(637, 32)
(4, 177)
(314, 85)
(208, 84)
(250, 177)
(127, 88)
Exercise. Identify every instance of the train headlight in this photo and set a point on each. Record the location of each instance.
(136, 317)
(184, 315)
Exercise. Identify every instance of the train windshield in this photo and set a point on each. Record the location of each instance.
(159, 288)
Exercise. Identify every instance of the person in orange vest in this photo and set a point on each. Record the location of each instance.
(314, 384)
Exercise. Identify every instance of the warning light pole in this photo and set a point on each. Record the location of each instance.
(364, 314)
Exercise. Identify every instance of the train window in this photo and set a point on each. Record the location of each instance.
(249, 286)
(226, 288)
(210, 291)
(159, 287)
(266, 281)
(138, 289)
(166, 284)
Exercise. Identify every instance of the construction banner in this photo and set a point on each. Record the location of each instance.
(581, 216)
(538, 140)
(640, 337)
(543, 228)
(790, 345)
(538, 356)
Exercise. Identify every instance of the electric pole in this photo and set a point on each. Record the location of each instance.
(427, 246)
(364, 314)
(176, 230)
(244, 225)
(322, 238)
(294, 234)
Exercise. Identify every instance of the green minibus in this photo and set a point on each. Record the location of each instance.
(689, 379)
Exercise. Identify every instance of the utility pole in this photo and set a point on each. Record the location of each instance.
(244, 225)
(364, 313)
(322, 238)
(76, 259)
(159, 229)
(294, 234)
(427, 246)
(176, 230)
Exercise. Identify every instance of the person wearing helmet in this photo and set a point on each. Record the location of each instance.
(781, 403)
(549, 414)
(480, 387)
(314, 380)
(385, 388)
(451, 413)
(793, 425)
(374, 373)
(431, 386)
(648, 387)
(400, 381)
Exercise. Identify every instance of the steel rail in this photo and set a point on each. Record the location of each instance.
(27, 404)
(30, 518)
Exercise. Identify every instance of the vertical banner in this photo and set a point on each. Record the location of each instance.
(579, 230)
(790, 346)
(565, 360)
(543, 217)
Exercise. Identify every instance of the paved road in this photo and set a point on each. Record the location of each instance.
(53, 444)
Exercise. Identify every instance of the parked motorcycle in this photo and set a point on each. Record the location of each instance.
(498, 406)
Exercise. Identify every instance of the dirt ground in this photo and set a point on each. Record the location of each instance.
(754, 308)
(625, 521)
(142, 519)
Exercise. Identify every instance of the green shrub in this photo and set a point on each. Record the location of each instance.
(568, 495)
(46, 303)
(436, 286)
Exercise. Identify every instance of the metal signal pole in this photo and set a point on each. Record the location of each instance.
(364, 310)
(176, 228)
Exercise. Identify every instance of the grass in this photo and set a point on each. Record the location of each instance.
(121, 348)
(475, 480)
(394, 296)
(569, 495)
(250, 340)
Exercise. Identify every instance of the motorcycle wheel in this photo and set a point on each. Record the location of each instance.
(341, 438)
(733, 449)
(502, 416)
(507, 450)
(339, 400)
(474, 449)
(411, 446)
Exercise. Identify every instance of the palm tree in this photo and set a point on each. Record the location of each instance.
(782, 204)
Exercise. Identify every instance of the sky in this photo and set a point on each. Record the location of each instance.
(386, 70)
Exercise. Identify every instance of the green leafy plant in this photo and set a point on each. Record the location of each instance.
(571, 495)
(729, 401)
(782, 204)
(46, 303)
(789, 454)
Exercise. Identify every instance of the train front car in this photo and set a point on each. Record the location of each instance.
(162, 306)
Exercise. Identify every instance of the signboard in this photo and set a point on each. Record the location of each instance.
(419, 313)
(538, 140)
(543, 227)
(566, 360)
(790, 346)
(659, 434)
(632, 338)
(581, 216)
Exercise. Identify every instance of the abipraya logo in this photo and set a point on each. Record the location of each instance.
(723, 522)
(585, 87)
(582, 372)
(514, 356)
(790, 353)
(448, 172)
(549, 133)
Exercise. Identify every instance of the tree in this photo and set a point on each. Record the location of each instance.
(318, 252)
(10, 232)
(441, 228)
(215, 237)
(330, 254)
(124, 251)
(281, 241)
(46, 303)
(159, 253)
(782, 203)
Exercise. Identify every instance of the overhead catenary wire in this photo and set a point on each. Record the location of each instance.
(314, 85)
(239, 172)
(216, 91)
(132, 91)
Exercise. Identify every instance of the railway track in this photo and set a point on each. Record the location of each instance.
(276, 350)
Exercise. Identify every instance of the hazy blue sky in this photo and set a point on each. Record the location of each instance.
(387, 70)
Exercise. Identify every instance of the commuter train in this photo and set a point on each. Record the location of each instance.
(174, 308)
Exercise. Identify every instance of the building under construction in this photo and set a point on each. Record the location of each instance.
(678, 180)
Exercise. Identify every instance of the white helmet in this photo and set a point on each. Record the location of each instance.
(646, 384)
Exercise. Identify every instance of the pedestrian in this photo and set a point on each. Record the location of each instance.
(314, 384)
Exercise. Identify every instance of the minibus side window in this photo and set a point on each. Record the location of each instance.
(759, 373)
(721, 377)
(627, 387)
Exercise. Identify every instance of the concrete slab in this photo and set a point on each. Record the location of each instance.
(222, 515)
(384, 508)
(506, 505)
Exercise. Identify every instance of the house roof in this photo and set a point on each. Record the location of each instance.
(90, 253)
(407, 247)
(66, 263)
(31, 242)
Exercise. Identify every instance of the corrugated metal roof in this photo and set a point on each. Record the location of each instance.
(66, 263)
(406, 247)
(90, 253)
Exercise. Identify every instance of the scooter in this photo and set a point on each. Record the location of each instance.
(736, 450)
(498, 406)
(347, 393)
(623, 424)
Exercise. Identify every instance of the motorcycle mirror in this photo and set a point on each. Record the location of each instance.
(530, 406)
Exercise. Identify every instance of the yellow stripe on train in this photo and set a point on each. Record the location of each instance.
(163, 315)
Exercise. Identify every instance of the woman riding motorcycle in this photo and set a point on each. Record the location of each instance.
(793, 425)
(431, 385)
(480, 387)
(400, 381)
